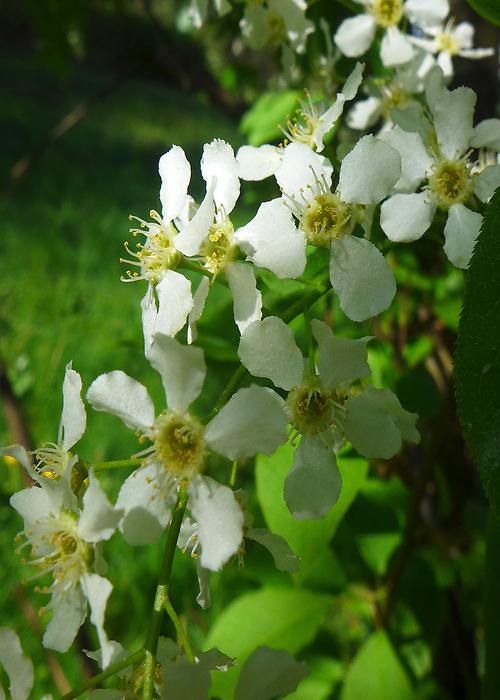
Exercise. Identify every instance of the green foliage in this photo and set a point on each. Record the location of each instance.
(307, 538)
(281, 618)
(489, 9)
(477, 370)
(376, 673)
(260, 123)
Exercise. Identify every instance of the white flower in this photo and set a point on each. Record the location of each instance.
(359, 273)
(451, 178)
(273, 22)
(252, 421)
(18, 667)
(325, 408)
(356, 34)
(450, 40)
(63, 543)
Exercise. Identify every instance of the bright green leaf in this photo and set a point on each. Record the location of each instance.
(307, 538)
(259, 124)
(281, 618)
(376, 673)
(377, 548)
(325, 674)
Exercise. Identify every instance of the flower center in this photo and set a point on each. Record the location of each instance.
(58, 549)
(156, 255)
(218, 249)
(276, 29)
(446, 42)
(387, 13)
(51, 460)
(310, 409)
(393, 97)
(450, 182)
(324, 219)
(300, 128)
(178, 443)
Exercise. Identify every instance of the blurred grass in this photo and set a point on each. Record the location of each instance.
(61, 300)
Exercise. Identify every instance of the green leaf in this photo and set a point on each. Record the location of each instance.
(325, 674)
(307, 538)
(269, 673)
(277, 617)
(377, 548)
(477, 368)
(259, 124)
(489, 9)
(376, 673)
(284, 558)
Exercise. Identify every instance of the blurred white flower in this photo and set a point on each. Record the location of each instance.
(272, 23)
(17, 666)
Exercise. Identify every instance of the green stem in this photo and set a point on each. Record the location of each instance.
(288, 315)
(233, 475)
(189, 265)
(115, 464)
(310, 342)
(181, 633)
(110, 671)
(162, 592)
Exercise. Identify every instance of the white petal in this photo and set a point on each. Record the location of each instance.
(188, 241)
(464, 34)
(364, 113)
(445, 63)
(476, 53)
(376, 423)
(460, 232)
(220, 521)
(146, 503)
(300, 170)
(20, 454)
(351, 85)
(361, 277)
(487, 134)
(406, 217)
(73, 418)
(149, 312)
(426, 13)
(369, 172)
(199, 299)
(355, 35)
(313, 484)
(247, 300)
(277, 546)
(257, 163)
(263, 347)
(327, 120)
(98, 589)
(175, 173)
(340, 359)
(252, 421)
(487, 182)
(99, 519)
(33, 504)
(453, 112)
(175, 303)
(395, 48)
(219, 164)
(415, 161)
(119, 394)
(182, 370)
(68, 613)
(272, 240)
(18, 667)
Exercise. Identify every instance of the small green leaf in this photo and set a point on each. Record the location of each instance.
(377, 548)
(489, 9)
(325, 674)
(477, 367)
(376, 673)
(277, 617)
(260, 123)
(306, 538)
(268, 673)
